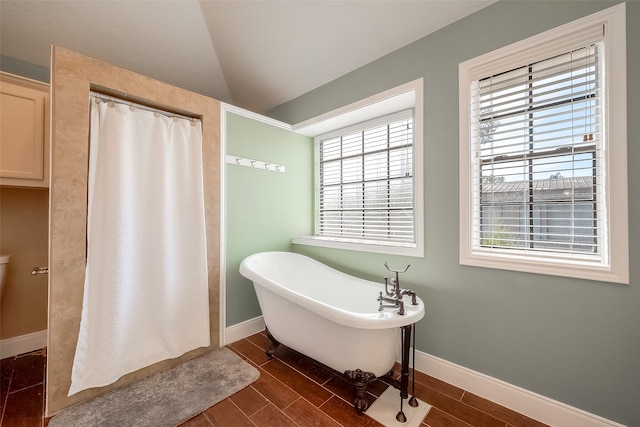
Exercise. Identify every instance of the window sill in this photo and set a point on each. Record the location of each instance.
(390, 248)
(551, 265)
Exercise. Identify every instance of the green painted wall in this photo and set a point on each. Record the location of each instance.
(264, 209)
(576, 341)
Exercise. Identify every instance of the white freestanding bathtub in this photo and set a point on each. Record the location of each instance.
(328, 315)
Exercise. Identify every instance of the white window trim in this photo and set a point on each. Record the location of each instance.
(535, 48)
(408, 95)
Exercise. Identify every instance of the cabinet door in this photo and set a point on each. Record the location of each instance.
(24, 148)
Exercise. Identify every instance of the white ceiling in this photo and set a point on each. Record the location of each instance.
(252, 54)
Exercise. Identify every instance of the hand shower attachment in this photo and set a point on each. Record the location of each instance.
(394, 297)
(395, 282)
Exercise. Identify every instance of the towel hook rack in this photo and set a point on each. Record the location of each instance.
(257, 164)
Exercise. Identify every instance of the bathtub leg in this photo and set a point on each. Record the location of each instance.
(273, 344)
(360, 380)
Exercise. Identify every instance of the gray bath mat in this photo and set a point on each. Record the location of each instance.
(167, 398)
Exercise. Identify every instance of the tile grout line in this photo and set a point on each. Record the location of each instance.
(322, 385)
(334, 374)
(25, 388)
(207, 418)
(460, 402)
(286, 415)
(465, 392)
(275, 379)
(324, 403)
(241, 411)
(337, 422)
(262, 407)
(6, 398)
(44, 395)
(44, 387)
(291, 404)
(328, 415)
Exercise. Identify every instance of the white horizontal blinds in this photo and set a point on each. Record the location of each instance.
(366, 181)
(538, 165)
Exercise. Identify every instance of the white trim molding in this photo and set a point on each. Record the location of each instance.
(510, 396)
(14, 346)
(228, 108)
(224, 109)
(243, 329)
(525, 402)
(533, 405)
(407, 96)
(612, 265)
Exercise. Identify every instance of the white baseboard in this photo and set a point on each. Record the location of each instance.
(23, 344)
(242, 330)
(528, 403)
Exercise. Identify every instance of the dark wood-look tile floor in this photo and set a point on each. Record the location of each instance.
(22, 389)
(292, 390)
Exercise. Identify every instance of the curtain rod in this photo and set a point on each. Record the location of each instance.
(111, 98)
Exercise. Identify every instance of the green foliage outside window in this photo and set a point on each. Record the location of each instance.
(498, 237)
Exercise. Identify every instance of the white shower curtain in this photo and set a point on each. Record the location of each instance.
(145, 291)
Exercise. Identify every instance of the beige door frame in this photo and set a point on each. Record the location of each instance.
(73, 76)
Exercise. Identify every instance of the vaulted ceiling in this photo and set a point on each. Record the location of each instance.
(253, 54)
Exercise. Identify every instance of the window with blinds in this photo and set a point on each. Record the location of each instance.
(537, 141)
(543, 153)
(366, 181)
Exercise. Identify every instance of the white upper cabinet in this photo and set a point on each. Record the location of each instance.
(24, 132)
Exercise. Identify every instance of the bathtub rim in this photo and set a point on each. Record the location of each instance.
(389, 318)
